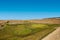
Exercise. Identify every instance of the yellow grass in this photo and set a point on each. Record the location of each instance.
(38, 25)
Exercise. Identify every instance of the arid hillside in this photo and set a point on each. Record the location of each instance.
(48, 21)
(45, 21)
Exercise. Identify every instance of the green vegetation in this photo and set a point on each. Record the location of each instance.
(23, 31)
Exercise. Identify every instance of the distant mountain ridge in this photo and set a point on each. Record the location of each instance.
(53, 20)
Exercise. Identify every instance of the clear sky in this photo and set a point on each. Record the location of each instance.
(29, 9)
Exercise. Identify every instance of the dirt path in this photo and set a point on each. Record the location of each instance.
(54, 35)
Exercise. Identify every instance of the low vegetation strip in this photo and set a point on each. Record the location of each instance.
(38, 35)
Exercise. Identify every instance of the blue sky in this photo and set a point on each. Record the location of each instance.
(29, 9)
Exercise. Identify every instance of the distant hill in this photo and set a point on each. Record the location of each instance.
(54, 20)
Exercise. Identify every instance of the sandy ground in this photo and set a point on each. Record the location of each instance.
(54, 35)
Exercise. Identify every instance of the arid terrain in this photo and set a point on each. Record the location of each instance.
(45, 20)
(38, 29)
